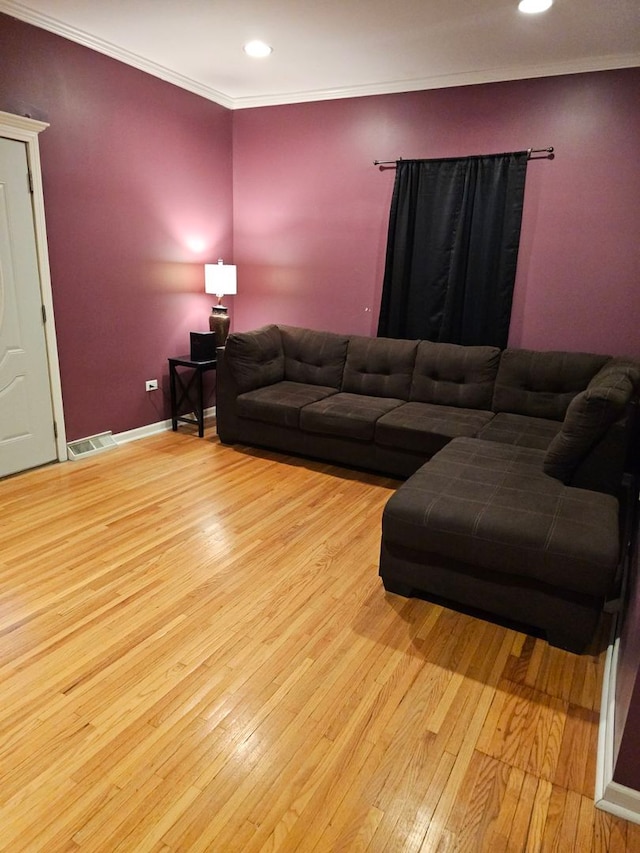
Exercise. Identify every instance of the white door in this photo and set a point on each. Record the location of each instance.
(27, 436)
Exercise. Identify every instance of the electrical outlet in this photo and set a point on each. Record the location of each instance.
(151, 385)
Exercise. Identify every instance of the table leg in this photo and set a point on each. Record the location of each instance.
(174, 402)
(200, 413)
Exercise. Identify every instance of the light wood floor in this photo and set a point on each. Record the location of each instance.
(196, 654)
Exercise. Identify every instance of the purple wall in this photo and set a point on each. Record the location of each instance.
(311, 211)
(137, 181)
(139, 194)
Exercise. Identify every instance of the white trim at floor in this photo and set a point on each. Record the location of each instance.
(611, 796)
(153, 429)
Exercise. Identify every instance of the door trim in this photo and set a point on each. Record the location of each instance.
(27, 130)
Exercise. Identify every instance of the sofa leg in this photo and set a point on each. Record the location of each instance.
(398, 588)
(567, 641)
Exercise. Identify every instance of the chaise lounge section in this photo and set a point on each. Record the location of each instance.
(483, 526)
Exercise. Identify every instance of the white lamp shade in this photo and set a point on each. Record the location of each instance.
(220, 279)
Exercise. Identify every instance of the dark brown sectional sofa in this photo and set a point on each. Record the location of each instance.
(514, 459)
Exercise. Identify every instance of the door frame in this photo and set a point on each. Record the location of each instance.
(23, 129)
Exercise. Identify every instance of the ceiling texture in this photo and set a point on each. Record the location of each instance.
(342, 48)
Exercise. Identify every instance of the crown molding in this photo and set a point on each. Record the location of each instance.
(471, 78)
(45, 22)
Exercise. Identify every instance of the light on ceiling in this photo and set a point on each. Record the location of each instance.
(257, 49)
(532, 7)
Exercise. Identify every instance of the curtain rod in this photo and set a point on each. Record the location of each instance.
(548, 152)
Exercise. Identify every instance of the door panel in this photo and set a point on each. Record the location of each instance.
(26, 413)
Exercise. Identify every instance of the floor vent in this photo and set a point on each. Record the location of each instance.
(93, 444)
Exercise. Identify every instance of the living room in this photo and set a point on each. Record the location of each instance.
(145, 182)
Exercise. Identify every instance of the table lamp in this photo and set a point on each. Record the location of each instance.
(220, 279)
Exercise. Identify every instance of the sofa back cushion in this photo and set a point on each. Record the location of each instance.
(315, 358)
(255, 358)
(453, 375)
(379, 367)
(589, 415)
(542, 384)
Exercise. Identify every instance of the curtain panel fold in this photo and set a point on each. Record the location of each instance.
(452, 250)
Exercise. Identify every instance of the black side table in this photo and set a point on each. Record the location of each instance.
(189, 392)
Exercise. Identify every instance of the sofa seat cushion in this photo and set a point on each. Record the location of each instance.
(491, 506)
(426, 428)
(521, 430)
(280, 403)
(346, 415)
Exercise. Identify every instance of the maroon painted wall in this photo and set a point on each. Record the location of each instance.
(137, 182)
(135, 170)
(311, 210)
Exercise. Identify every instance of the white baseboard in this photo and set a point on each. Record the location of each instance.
(621, 801)
(153, 429)
(611, 796)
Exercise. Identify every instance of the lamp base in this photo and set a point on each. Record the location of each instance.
(219, 324)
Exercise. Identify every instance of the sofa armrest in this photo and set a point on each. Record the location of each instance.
(226, 396)
(248, 360)
(591, 450)
(603, 468)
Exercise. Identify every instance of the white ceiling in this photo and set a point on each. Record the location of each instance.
(339, 48)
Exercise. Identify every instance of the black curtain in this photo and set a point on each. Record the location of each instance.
(454, 230)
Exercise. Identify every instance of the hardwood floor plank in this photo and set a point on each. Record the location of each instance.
(551, 841)
(569, 825)
(197, 654)
(406, 809)
(619, 839)
(539, 817)
(633, 835)
(523, 818)
(571, 770)
(601, 832)
(500, 838)
(473, 815)
(584, 833)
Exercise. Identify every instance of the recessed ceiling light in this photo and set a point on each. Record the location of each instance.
(257, 49)
(532, 7)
